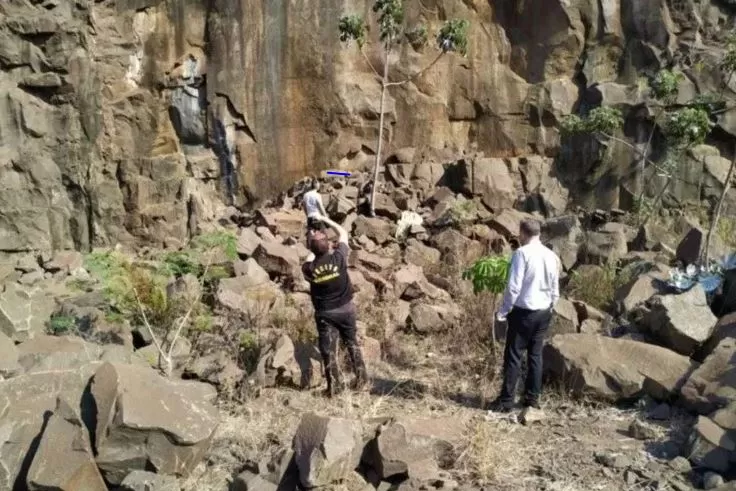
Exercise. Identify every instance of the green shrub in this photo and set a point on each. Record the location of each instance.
(60, 324)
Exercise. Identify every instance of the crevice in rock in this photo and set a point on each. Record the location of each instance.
(239, 121)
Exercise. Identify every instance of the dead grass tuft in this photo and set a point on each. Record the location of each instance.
(491, 455)
(597, 286)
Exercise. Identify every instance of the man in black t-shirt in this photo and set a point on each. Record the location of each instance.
(332, 296)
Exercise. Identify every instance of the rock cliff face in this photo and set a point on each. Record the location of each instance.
(134, 121)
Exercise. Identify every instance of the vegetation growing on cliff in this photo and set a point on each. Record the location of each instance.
(392, 32)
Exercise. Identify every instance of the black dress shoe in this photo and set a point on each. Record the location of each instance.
(534, 404)
(497, 406)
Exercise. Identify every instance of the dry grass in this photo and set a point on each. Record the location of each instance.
(596, 286)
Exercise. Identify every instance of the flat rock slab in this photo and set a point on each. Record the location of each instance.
(64, 459)
(615, 369)
(145, 421)
(413, 447)
(8, 356)
(24, 400)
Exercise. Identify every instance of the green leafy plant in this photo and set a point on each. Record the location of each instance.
(489, 274)
(452, 37)
(665, 85)
(601, 120)
(206, 244)
(61, 324)
(687, 127)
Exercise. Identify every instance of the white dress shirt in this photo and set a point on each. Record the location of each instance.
(312, 203)
(534, 279)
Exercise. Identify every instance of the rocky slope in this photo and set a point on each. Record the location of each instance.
(84, 408)
(135, 121)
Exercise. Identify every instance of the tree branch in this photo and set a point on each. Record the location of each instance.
(184, 319)
(365, 57)
(631, 146)
(419, 73)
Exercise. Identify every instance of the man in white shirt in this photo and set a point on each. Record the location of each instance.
(531, 293)
(313, 207)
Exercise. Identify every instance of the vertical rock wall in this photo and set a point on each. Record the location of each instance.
(137, 121)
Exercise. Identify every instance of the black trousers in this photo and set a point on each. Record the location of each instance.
(526, 332)
(342, 320)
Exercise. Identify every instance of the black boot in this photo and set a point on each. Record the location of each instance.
(332, 375)
(358, 365)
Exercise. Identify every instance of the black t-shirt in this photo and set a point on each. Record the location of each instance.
(328, 279)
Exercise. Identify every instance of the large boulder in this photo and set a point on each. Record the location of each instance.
(65, 262)
(421, 255)
(376, 229)
(287, 223)
(563, 235)
(374, 262)
(242, 295)
(411, 284)
(43, 353)
(681, 322)
(252, 271)
(326, 450)
(725, 329)
(507, 222)
(277, 259)
(457, 248)
(426, 318)
(147, 422)
(492, 180)
(615, 369)
(713, 384)
(248, 242)
(413, 447)
(564, 318)
(64, 460)
(712, 446)
(643, 286)
(26, 400)
(290, 365)
(604, 247)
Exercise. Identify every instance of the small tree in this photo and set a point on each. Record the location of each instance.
(154, 295)
(489, 274)
(728, 65)
(683, 128)
(392, 32)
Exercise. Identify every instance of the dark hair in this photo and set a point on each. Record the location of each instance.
(530, 227)
(318, 243)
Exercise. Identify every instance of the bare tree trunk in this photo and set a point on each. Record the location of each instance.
(643, 160)
(493, 326)
(377, 165)
(717, 212)
(657, 199)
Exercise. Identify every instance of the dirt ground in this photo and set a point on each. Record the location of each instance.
(579, 446)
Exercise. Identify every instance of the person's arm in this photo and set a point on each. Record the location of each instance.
(342, 235)
(555, 286)
(513, 288)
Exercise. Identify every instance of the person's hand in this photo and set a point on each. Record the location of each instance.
(500, 317)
